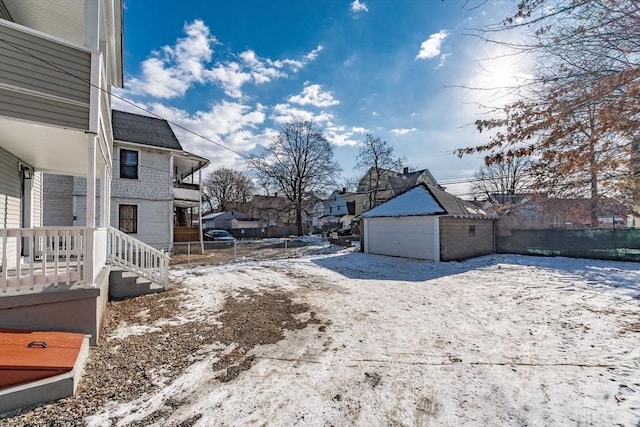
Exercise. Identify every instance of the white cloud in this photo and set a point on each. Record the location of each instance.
(430, 48)
(357, 6)
(443, 59)
(356, 129)
(170, 72)
(403, 131)
(311, 56)
(312, 94)
(283, 113)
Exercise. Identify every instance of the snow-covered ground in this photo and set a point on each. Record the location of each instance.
(497, 340)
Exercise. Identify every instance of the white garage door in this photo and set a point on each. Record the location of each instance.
(411, 237)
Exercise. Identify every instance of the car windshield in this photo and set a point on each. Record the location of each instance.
(221, 234)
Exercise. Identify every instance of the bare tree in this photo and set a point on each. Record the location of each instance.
(298, 164)
(580, 110)
(376, 157)
(225, 189)
(500, 181)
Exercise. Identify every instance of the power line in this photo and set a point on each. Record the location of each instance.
(124, 100)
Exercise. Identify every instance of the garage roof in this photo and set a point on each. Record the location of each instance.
(415, 201)
(425, 199)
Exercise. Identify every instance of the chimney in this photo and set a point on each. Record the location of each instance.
(344, 189)
(405, 170)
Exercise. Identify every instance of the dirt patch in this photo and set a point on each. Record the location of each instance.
(253, 319)
(122, 370)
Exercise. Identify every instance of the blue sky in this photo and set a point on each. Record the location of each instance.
(236, 71)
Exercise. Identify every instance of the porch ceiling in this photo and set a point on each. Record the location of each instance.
(46, 148)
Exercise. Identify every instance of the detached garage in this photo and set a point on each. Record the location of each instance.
(426, 222)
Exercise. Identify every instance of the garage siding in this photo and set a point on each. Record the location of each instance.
(410, 237)
(462, 238)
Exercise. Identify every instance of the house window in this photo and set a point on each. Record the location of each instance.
(128, 218)
(330, 209)
(472, 231)
(128, 164)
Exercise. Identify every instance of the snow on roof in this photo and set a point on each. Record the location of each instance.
(416, 201)
(213, 215)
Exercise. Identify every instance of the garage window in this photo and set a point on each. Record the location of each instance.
(472, 231)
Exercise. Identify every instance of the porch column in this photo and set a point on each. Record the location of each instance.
(105, 198)
(173, 179)
(200, 210)
(91, 180)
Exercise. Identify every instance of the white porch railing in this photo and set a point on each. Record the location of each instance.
(137, 257)
(37, 258)
(32, 258)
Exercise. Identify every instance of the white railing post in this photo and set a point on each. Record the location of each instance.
(138, 257)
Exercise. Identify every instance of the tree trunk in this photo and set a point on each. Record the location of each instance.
(593, 202)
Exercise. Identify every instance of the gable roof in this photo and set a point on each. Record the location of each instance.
(144, 130)
(415, 201)
(426, 199)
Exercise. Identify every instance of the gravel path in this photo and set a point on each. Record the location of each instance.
(121, 369)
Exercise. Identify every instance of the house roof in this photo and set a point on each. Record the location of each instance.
(402, 181)
(144, 130)
(425, 199)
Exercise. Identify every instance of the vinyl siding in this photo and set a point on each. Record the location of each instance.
(153, 220)
(58, 200)
(37, 199)
(57, 71)
(9, 200)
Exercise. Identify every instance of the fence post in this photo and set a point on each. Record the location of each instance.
(189, 254)
(234, 250)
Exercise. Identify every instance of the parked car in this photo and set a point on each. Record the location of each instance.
(218, 236)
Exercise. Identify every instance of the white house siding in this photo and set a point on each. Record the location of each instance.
(58, 200)
(9, 199)
(154, 225)
(155, 179)
(409, 236)
(37, 200)
(152, 192)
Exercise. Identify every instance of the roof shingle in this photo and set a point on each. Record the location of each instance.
(144, 130)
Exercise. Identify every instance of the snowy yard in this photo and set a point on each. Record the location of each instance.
(498, 340)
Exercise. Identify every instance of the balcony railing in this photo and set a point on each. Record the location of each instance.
(188, 192)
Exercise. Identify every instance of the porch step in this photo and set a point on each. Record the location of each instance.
(125, 284)
(48, 370)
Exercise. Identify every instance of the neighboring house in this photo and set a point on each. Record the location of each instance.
(230, 220)
(427, 223)
(390, 183)
(154, 187)
(342, 207)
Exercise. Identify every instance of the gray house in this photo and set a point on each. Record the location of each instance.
(155, 186)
